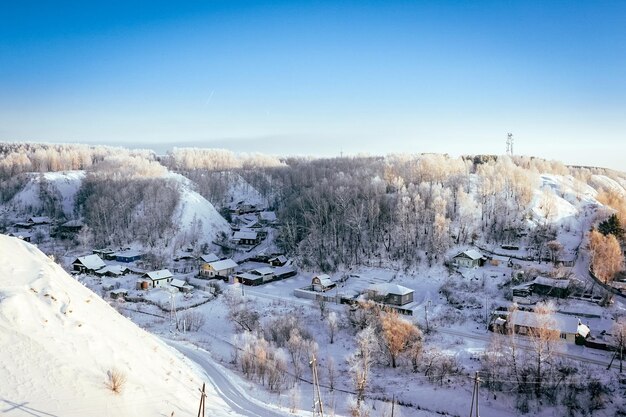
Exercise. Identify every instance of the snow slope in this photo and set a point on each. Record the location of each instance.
(67, 183)
(58, 340)
(192, 209)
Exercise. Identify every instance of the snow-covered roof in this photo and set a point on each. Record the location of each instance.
(249, 276)
(223, 264)
(280, 258)
(73, 223)
(244, 235)
(21, 235)
(556, 321)
(158, 275)
(128, 254)
(39, 219)
(178, 283)
(91, 262)
(268, 216)
(112, 269)
(264, 270)
(551, 282)
(473, 254)
(324, 280)
(211, 257)
(389, 288)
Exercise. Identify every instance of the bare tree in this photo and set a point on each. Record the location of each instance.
(333, 324)
(544, 338)
(361, 361)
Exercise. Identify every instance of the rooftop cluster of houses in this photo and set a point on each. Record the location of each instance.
(250, 225)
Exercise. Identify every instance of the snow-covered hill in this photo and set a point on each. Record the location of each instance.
(66, 184)
(196, 215)
(58, 341)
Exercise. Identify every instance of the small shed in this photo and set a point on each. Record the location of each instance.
(38, 220)
(159, 278)
(278, 260)
(88, 264)
(119, 293)
(181, 285)
(469, 259)
(211, 257)
(322, 283)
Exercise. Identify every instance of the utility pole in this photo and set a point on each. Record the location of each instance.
(202, 397)
(426, 311)
(474, 405)
(318, 407)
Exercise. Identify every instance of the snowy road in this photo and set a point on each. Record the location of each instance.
(232, 394)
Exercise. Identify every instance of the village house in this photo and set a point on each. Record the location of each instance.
(569, 328)
(39, 220)
(552, 287)
(392, 294)
(218, 269)
(257, 276)
(468, 259)
(88, 264)
(72, 226)
(108, 254)
(112, 271)
(25, 236)
(159, 278)
(128, 256)
(245, 238)
(322, 283)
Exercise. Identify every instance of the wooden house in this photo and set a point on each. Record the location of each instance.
(245, 237)
(569, 328)
(469, 259)
(393, 294)
(278, 260)
(322, 283)
(88, 264)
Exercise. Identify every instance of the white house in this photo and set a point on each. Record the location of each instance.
(159, 278)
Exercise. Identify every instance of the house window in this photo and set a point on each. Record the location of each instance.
(563, 336)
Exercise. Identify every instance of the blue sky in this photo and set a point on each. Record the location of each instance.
(320, 77)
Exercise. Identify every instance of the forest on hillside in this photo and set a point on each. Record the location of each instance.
(334, 212)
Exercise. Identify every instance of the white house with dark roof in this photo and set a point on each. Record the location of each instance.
(159, 278)
(88, 264)
(468, 259)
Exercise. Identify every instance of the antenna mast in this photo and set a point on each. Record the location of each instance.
(509, 144)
